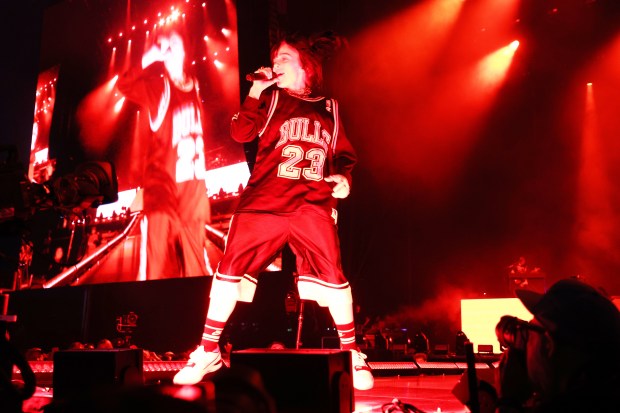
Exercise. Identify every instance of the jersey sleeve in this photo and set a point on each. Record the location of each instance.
(344, 156)
(143, 86)
(251, 118)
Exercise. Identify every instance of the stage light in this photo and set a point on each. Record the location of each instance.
(459, 346)
(119, 105)
(399, 340)
(492, 69)
(420, 343)
(485, 349)
(514, 45)
(441, 349)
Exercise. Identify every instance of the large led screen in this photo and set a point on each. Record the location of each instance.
(88, 51)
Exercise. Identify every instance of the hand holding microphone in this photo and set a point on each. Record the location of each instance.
(152, 55)
(262, 74)
(261, 80)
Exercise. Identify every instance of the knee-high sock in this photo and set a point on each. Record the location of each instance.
(342, 313)
(211, 334)
(223, 299)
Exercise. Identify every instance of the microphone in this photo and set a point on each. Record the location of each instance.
(260, 76)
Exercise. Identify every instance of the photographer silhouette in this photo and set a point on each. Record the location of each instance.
(12, 395)
(566, 358)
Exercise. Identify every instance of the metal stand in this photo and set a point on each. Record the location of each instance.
(300, 320)
(472, 378)
(300, 314)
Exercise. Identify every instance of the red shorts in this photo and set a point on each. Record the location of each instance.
(255, 239)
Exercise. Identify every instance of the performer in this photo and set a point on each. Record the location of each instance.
(176, 204)
(303, 165)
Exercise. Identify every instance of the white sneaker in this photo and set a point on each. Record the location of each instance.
(362, 375)
(200, 363)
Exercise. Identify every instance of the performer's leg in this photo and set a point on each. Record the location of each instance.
(193, 240)
(341, 310)
(207, 358)
(253, 240)
(222, 301)
(314, 239)
(161, 259)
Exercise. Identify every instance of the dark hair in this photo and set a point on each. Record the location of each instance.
(313, 51)
(178, 27)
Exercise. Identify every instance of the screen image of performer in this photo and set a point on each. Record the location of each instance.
(303, 166)
(175, 200)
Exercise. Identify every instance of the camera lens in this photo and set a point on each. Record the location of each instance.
(132, 318)
(512, 332)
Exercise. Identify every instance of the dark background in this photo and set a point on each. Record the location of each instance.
(423, 227)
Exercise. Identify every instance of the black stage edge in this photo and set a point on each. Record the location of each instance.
(156, 315)
(163, 371)
(170, 315)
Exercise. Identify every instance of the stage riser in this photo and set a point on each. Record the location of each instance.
(391, 369)
(170, 314)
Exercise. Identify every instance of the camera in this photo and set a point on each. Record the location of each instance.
(512, 332)
(91, 184)
(126, 322)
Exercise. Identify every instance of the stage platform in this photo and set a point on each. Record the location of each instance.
(426, 385)
(429, 393)
(162, 371)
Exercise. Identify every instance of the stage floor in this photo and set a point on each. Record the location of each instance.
(427, 393)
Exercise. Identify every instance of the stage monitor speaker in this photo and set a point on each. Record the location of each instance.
(77, 372)
(303, 381)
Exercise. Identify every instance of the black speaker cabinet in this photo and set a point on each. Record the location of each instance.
(304, 380)
(82, 371)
